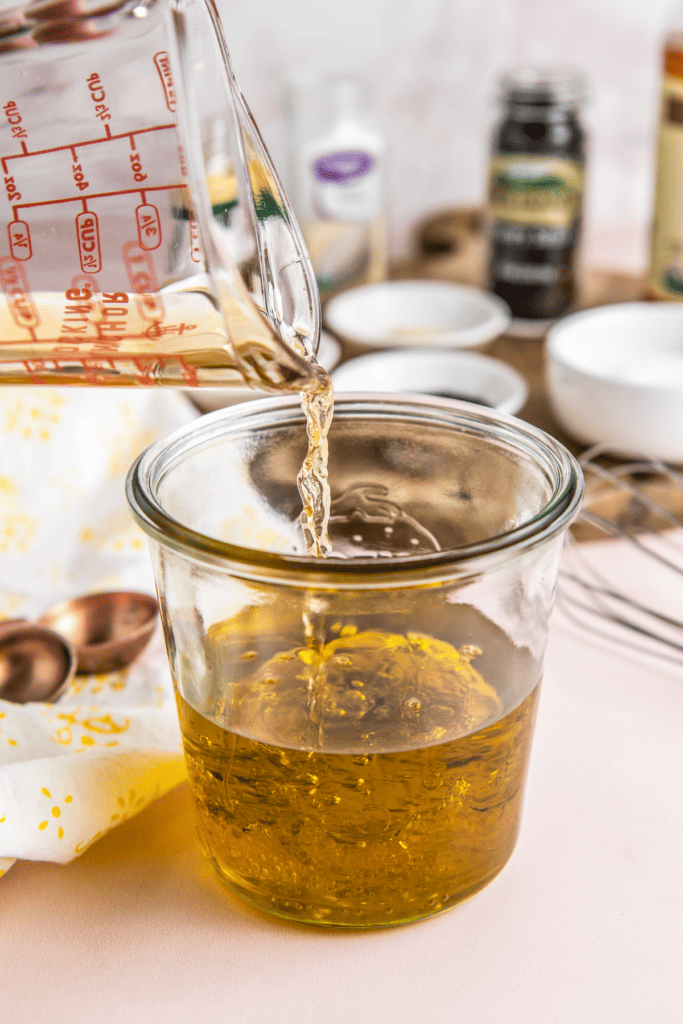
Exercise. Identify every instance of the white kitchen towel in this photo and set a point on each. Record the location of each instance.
(72, 770)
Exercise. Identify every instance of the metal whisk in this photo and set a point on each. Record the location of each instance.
(642, 502)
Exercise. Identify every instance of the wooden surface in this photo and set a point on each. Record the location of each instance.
(450, 246)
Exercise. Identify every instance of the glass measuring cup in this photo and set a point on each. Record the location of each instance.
(357, 731)
(146, 237)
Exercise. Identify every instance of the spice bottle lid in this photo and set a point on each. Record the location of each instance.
(544, 84)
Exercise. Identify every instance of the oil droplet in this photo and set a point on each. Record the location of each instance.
(248, 655)
(432, 781)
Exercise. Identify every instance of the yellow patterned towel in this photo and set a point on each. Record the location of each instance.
(72, 770)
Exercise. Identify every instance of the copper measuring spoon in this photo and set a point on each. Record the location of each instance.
(108, 631)
(90, 634)
(36, 664)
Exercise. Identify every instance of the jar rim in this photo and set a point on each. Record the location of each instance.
(150, 469)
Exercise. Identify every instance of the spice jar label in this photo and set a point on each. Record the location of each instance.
(347, 186)
(543, 191)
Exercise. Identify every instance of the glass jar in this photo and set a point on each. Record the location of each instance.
(536, 191)
(357, 729)
(337, 177)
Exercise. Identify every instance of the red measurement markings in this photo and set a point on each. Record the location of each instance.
(135, 164)
(14, 120)
(18, 293)
(33, 369)
(163, 66)
(143, 280)
(19, 240)
(195, 247)
(13, 193)
(87, 230)
(83, 287)
(100, 195)
(98, 96)
(156, 331)
(189, 373)
(95, 370)
(146, 370)
(87, 142)
(149, 226)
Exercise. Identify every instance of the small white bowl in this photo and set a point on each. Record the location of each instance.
(209, 399)
(393, 314)
(615, 376)
(467, 376)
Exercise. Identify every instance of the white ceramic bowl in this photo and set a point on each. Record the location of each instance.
(209, 399)
(467, 376)
(409, 313)
(615, 375)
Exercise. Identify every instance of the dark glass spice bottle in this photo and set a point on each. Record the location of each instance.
(536, 191)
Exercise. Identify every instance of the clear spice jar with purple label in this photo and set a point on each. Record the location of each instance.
(337, 178)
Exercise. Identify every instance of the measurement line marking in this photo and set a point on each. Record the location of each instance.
(24, 146)
(107, 130)
(73, 153)
(99, 195)
(86, 142)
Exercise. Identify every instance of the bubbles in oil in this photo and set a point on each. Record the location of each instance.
(372, 780)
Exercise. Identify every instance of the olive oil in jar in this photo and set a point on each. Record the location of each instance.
(370, 782)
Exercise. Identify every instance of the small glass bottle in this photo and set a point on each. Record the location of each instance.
(665, 276)
(337, 178)
(536, 191)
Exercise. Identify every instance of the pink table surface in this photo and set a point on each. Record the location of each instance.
(585, 924)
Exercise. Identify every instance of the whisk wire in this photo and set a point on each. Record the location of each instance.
(588, 597)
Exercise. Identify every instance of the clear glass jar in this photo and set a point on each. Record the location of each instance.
(337, 155)
(536, 191)
(357, 729)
